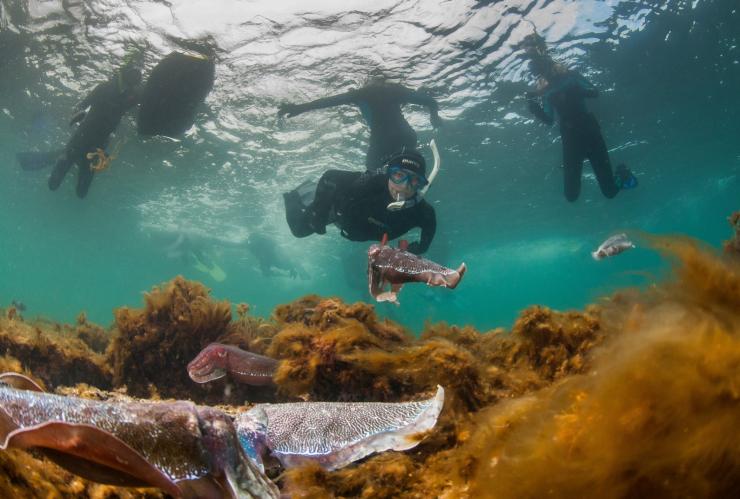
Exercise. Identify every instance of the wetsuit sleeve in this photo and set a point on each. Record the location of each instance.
(586, 87)
(428, 224)
(334, 100)
(543, 112)
(333, 187)
(423, 99)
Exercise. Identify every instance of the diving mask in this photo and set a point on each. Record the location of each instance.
(399, 175)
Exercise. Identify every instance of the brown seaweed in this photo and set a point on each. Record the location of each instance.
(635, 396)
(152, 345)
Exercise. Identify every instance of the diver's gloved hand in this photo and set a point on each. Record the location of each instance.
(414, 248)
(78, 117)
(289, 110)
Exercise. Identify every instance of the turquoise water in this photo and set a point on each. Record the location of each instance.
(668, 72)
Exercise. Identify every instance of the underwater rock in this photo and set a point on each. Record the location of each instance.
(53, 353)
(218, 360)
(396, 267)
(152, 345)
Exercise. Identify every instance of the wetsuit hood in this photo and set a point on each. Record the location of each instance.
(408, 159)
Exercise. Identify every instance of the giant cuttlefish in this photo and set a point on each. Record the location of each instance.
(195, 451)
(217, 360)
(396, 266)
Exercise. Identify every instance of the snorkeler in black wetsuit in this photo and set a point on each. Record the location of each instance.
(380, 105)
(358, 203)
(108, 102)
(564, 91)
(271, 258)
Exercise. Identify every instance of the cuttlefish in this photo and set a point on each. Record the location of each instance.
(217, 360)
(335, 434)
(194, 451)
(396, 266)
(186, 450)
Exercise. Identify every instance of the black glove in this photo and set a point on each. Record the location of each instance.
(289, 110)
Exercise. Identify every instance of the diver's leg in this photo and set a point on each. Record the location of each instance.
(296, 215)
(572, 168)
(331, 183)
(84, 178)
(62, 166)
(374, 158)
(599, 158)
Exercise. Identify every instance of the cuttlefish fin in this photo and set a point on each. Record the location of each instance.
(20, 382)
(457, 276)
(446, 280)
(89, 452)
(403, 245)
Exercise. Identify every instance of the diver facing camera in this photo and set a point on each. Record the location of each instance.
(364, 206)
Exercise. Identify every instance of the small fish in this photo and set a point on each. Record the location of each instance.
(613, 246)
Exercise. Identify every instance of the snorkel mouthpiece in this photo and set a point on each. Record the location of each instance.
(400, 204)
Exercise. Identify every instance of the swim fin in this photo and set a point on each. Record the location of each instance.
(34, 160)
(624, 178)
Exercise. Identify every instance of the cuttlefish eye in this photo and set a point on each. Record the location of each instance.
(222, 353)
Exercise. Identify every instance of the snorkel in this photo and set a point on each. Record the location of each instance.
(400, 204)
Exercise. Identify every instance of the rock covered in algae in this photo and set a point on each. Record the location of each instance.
(732, 246)
(634, 397)
(154, 343)
(54, 353)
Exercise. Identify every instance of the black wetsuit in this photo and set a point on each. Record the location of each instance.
(579, 131)
(380, 105)
(357, 203)
(108, 103)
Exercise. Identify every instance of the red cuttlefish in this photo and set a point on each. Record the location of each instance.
(397, 266)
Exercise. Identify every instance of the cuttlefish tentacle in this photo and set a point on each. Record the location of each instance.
(335, 434)
(217, 360)
(184, 449)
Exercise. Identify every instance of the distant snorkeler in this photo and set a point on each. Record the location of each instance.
(271, 258)
(564, 91)
(97, 117)
(365, 206)
(193, 254)
(380, 103)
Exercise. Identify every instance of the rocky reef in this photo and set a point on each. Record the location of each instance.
(638, 395)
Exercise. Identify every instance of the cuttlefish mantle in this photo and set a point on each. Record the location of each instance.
(335, 434)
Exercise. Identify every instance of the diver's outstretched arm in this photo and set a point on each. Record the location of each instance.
(424, 99)
(538, 111)
(428, 226)
(334, 100)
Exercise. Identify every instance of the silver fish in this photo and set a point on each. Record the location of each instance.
(615, 245)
